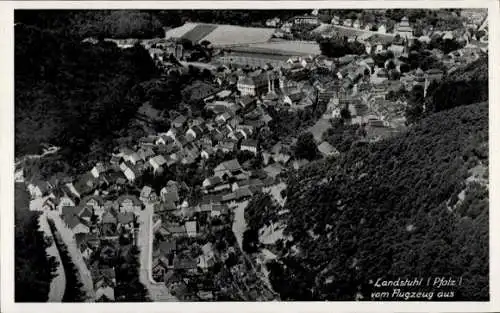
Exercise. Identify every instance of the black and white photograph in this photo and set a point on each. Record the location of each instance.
(256, 155)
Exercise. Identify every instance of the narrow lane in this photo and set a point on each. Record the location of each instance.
(58, 283)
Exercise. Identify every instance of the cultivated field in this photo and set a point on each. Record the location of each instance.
(180, 31)
(197, 33)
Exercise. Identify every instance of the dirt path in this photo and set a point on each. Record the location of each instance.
(58, 283)
(239, 223)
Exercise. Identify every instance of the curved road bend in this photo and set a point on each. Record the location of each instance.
(58, 283)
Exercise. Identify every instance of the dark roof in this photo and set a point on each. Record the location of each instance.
(108, 218)
(167, 247)
(125, 218)
(184, 262)
(249, 143)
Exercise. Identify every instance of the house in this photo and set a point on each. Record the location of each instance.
(109, 224)
(169, 193)
(306, 19)
(335, 20)
(174, 230)
(293, 98)
(86, 214)
(129, 203)
(228, 169)
(249, 145)
(191, 228)
(125, 220)
(73, 221)
(164, 140)
(356, 24)
(225, 146)
(184, 262)
(246, 101)
(130, 171)
(133, 158)
(347, 22)
(211, 182)
(147, 141)
(172, 133)
(404, 29)
(179, 121)
(223, 118)
(98, 169)
(205, 295)
(195, 131)
(157, 162)
(207, 152)
(219, 210)
(64, 201)
(148, 194)
(104, 284)
(382, 29)
(95, 203)
(146, 153)
(397, 49)
(167, 248)
(115, 159)
(327, 149)
(38, 189)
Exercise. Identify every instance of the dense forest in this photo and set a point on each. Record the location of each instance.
(30, 244)
(140, 23)
(390, 209)
(77, 96)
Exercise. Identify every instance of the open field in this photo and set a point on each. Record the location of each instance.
(229, 35)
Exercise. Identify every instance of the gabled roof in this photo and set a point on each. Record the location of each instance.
(249, 143)
(159, 159)
(146, 191)
(167, 247)
(108, 218)
(125, 218)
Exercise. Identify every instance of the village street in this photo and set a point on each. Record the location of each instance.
(157, 291)
(58, 283)
(77, 258)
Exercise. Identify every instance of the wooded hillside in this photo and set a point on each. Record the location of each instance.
(397, 208)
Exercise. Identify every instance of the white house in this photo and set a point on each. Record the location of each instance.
(249, 145)
(347, 22)
(157, 162)
(191, 228)
(382, 29)
(65, 201)
(97, 170)
(132, 158)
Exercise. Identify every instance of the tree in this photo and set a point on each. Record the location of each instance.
(415, 108)
(345, 114)
(34, 270)
(250, 240)
(306, 148)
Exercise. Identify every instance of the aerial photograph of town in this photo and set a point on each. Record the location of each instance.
(251, 155)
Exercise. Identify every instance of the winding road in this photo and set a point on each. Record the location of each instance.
(58, 283)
